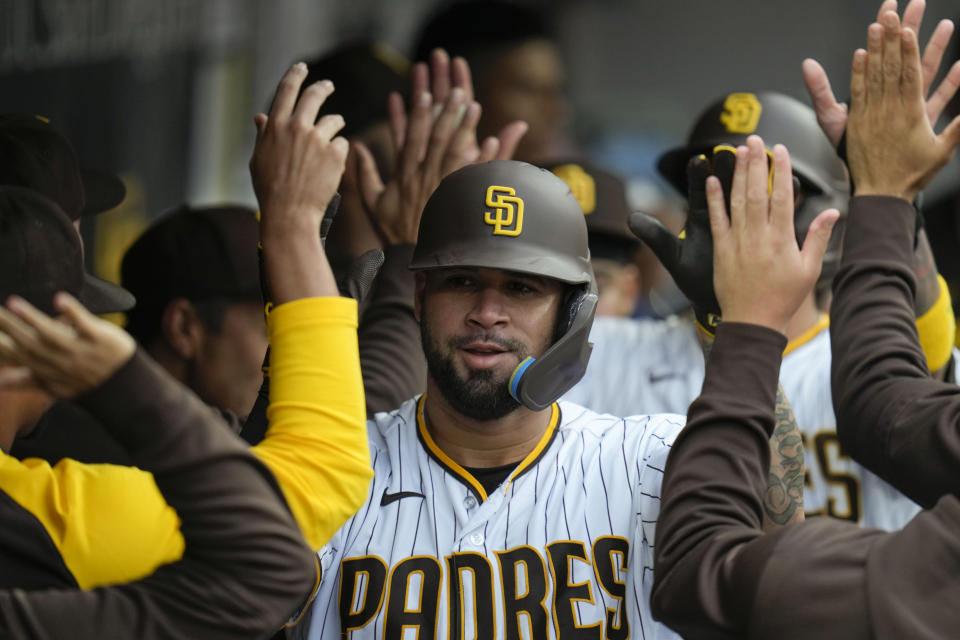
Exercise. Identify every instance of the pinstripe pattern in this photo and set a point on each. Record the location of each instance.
(805, 376)
(629, 353)
(640, 366)
(599, 477)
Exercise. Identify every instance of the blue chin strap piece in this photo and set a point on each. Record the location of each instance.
(518, 375)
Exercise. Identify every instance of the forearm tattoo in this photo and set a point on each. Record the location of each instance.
(783, 500)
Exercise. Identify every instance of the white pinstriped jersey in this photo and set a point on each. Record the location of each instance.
(836, 485)
(562, 549)
(641, 366)
(619, 380)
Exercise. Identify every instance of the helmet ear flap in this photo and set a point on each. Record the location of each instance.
(538, 382)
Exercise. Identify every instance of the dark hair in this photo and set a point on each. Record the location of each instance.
(477, 26)
(143, 323)
(364, 74)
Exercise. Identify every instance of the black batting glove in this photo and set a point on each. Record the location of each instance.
(689, 257)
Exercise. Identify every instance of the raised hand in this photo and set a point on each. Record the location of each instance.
(67, 356)
(892, 148)
(442, 76)
(297, 162)
(434, 138)
(689, 258)
(761, 276)
(832, 115)
(296, 166)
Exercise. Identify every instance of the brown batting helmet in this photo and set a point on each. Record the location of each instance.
(517, 217)
(776, 118)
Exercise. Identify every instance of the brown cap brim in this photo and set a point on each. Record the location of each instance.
(100, 296)
(103, 191)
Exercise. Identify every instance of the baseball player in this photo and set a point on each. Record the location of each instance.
(659, 361)
(833, 484)
(497, 511)
(849, 582)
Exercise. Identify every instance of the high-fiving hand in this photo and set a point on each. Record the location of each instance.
(832, 115)
(436, 137)
(892, 148)
(760, 275)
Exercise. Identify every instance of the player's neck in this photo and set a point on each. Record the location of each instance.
(482, 444)
(804, 318)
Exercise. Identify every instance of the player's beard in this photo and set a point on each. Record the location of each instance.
(482, 395)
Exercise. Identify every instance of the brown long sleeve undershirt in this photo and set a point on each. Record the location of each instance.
(719, 576)
(245, 566)
(391, 356)
(891, 416)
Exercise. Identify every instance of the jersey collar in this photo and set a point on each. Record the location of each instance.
(452, 467)
(808, 335)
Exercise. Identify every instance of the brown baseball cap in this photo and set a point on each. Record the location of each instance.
(34, 154)
(602, 196)
(40, 254)
(201, 253)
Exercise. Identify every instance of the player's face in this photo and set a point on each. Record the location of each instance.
(477, 325)
(526, 83)
(227, 370)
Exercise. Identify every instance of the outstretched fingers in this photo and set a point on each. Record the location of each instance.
(441, 137)
(738, 189)
(858, 81)
(719, 219)
(463, 148)
(874, 74)
(461, 77)
(892, 63)
(440, 75)
(911, 79)
(831, 114)
(781, 197)
(944, 93)
(369, 183)
(286, 95)
(417, 135)
(934, 51)
(816, 242)
(757, 200)
(510, 137)
(891, 5)
(397, 120)
(308, 106)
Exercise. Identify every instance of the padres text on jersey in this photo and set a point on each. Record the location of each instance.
(562, 549)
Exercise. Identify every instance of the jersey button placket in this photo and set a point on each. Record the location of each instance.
(476, 539)
(470, 502)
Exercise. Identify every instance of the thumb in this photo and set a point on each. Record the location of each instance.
(510, 137)
(369, 183)
(661, 240)
(951, 136)
(817, 240)
(260, 122)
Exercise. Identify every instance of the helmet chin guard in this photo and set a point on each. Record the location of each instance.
(537, 382)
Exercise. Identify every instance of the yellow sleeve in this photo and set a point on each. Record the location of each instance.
(316, 444)
(109, 523)
(936, 329)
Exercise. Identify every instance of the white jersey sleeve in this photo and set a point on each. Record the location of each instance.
(641, 366)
